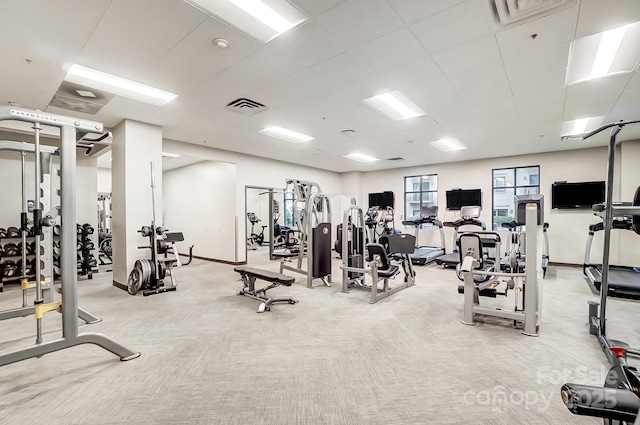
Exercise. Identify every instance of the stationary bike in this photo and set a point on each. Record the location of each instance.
(256, 239)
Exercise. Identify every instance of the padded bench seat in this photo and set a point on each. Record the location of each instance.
(267, 275)
(249, 276)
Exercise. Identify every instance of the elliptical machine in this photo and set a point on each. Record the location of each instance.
(256, 239)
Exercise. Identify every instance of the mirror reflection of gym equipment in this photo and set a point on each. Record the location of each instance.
(105, 237)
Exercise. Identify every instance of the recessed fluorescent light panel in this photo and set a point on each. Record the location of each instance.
(360, 157)
(170, 155)
(264, 20)
(580, 126)
(285, 134)
(122, 87)
(448, 145)
(612, 52)
(395, 105)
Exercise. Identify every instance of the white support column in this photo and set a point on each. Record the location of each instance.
(135, 145)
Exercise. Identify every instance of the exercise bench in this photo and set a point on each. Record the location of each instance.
(249, 276)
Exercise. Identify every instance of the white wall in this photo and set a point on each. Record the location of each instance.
(104, 180)
(568, 228)
(255, 171)
(194, 200)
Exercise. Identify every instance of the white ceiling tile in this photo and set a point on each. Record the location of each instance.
(627, 111)
(457, 25)
(464, 57)
(595, 97)
(411, 10)
(549, 31)
(314, 7)
(368, 86)
(391, 50)
(484, 94)
(412, 73)
(294, 87)
(195, 58)
(146, 32)
(343, 68)
(598, 16)
(632, 91)
(540, 89)
(545, 119)
(55, 15)
(113, 61)
(307, 45)
(538, 62)
(488, 75)
(349, 25)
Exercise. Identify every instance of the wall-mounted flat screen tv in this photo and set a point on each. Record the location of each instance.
(576, 195)
(458, 198)
(382, 199)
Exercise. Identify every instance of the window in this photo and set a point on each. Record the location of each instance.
(508, 182)
(419, 192)
(289, 198)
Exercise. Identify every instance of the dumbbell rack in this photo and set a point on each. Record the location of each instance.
(11, 256)
(87, 264)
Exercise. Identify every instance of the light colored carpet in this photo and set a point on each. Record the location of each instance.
(209, 358)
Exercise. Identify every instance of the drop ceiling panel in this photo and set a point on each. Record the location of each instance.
(627, 111)
(289, 89)
(351, 27)
(196, 58)
(55, 15)
(307, 45)
(464, 57)
(538, 62)
(598, 16)
(596, 96)
(391, 50)
(488, 75)
(549, 31)
(540, 89)
(343, 68)
(314, 7)
(491, 93)
(147, 33)
(39, 79)
(458, 25)
(413, 73)
(113, 61)
(632, 91)
(543, 119)
(411, 10)
(371, 85)
(29, 40)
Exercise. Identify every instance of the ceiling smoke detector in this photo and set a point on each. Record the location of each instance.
(221, 43)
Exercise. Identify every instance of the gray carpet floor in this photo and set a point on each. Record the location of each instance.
(209, 358)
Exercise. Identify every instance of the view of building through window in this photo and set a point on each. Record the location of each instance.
(419, 192)
(508, 182)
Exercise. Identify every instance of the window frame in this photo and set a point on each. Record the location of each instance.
(419, 191)
(503, 188)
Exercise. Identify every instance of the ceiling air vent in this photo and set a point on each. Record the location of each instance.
(246, 106)
(396, 158)
(513, 12)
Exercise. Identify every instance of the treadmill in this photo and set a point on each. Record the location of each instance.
(624, 281)
(423, 255)
(469, 217)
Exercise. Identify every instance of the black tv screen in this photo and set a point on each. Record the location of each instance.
(576, 195)
(458, 198)
(382, 199)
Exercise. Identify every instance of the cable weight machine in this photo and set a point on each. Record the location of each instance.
(71, 131)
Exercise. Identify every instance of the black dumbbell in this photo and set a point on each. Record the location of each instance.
(88, 229)
(9, 268)
(11, 249)
(3, 232)
(13, 232)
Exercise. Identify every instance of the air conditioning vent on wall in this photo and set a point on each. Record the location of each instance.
(396, 158)
(513, 12)
(246, 106)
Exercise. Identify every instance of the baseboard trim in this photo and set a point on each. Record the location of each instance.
(215, 260)
(577, 266)
(120, 286)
